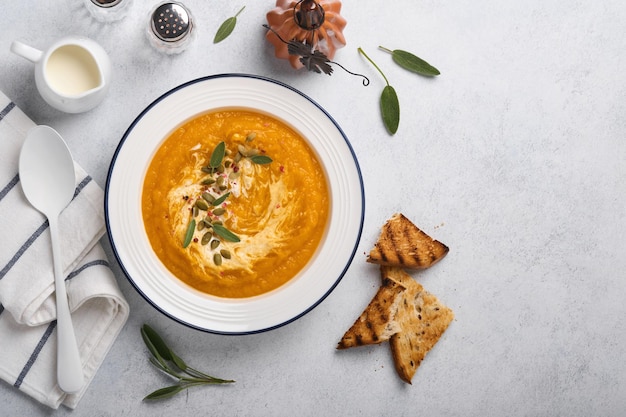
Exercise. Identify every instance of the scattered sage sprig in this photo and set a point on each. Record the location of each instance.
(169, 362)
(227, 27)
(389, 104)
(412, 63)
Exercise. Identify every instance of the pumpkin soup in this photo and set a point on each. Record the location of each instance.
(235, 203)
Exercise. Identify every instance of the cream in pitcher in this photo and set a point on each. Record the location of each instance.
(71, 70)
(73, 75)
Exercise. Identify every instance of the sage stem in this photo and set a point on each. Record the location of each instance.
(373, 63)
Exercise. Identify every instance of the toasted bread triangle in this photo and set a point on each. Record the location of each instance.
(422, 318)
(377, 322)
(403, 244)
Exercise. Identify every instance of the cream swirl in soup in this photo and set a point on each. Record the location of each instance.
(244, 226)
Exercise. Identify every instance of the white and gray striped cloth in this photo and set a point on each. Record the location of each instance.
(27, 304)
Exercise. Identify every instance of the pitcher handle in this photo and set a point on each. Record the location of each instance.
(26, 51)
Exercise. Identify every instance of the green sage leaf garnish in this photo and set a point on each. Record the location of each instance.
(412, 63)
(261, 159)
(220, 200)
(168, 362)
(166, 392)
(189, 233)
(218, 155)
(224, 233)
(389, 104)
(390, 109)
(227, 27)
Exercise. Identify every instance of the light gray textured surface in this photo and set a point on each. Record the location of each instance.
(515, 157)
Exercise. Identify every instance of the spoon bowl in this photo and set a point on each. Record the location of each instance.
(46, 170)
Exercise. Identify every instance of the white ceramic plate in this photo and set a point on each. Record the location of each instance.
(130, 242)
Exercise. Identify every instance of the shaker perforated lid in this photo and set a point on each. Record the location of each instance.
(106, 3)
(171, 22)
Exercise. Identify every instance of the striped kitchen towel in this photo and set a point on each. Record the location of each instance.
(27, 302)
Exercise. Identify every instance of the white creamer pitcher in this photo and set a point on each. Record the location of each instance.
(72, 75)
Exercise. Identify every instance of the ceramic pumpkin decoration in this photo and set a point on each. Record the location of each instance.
(315, 23)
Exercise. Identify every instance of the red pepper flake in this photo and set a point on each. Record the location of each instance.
(195, 239)
(282, 168)
(235, 168)
(277, 206)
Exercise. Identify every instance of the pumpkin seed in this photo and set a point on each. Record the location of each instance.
(208, 197)
(225, 253)
(206, 238)
(234, 175)
(238, 157)
(208, 181)
(242, 150)
(250, 136)
(194, 211)
(253, 152)
(219, 211)
(217, 259)
(221, 168)
(215, 243)
(208, 170)
(202, 205)
(228, 163)
(201, 226)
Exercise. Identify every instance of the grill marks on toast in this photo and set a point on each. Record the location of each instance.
(377, 322)
(403, 244)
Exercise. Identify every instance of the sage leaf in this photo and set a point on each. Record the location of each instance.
(155, 340)
(220, 200)
(227, 27)
(411, 62)
(178, 361)
(389, 104)
(166, 392)
(161, 356)
(224, 233)
(261, 159)
(189, 234)
(218, 155)
(390, 109)
(156, 359)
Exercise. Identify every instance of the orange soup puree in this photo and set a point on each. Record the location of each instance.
(235, 203)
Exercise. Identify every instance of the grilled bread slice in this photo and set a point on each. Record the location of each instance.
(422, 318)
(377, 322)
(403, 244)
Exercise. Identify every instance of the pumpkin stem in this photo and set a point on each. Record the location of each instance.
(308, 14)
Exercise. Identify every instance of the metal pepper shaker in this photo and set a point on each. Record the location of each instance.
(107, 10)
(170, 27)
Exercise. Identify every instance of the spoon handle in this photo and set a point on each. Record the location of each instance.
(69, 367)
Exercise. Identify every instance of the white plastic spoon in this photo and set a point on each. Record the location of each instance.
(47, 175)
